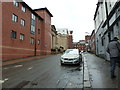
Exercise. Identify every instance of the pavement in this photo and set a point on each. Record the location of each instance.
(97, 73)
(10, 62)
(86, 77)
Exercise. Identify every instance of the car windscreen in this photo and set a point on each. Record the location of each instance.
(71, 52)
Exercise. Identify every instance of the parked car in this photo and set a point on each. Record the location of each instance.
(71, 56)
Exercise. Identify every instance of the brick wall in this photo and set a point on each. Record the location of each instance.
(16, 48)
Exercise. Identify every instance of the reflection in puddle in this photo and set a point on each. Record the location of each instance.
(76, 69)
(71, 68)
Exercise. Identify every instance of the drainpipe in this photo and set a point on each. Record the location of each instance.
(107, 21)
(35, 48)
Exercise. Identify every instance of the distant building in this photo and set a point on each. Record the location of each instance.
(54, 37)
(92, 42)
(70, 39)
(82, 41)
(62, 31)
(62, 38)
(87, 40)
(80, 45)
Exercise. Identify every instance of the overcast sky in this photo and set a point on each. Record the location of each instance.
(76, 15)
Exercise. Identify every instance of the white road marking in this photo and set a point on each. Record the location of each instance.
(2, 81)
(30, 68)
(58, 82)
(5, 68)
(14, 66)
(6, 79)
(18, 66)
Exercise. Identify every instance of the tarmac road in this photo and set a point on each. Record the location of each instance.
(42, 73)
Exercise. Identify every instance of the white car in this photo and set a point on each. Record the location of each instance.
(71, 56)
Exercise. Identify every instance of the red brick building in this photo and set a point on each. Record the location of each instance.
(70, 40)
(87, 40)
(80, 45)
(23, 31)
(46, 37)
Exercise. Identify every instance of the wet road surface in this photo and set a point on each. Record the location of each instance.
(42, 73)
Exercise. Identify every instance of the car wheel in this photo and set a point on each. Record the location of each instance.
(61, 63)
(78, 63)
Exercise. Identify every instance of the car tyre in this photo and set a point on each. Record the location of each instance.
(61, 63)
(78, 63)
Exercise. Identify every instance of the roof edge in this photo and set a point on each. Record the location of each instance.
(31, 9)
(44, 9)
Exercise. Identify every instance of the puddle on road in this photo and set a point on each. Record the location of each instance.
(76, 69)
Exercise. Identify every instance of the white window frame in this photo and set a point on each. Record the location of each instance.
(15, 3)
(14, 18)
(21, 36)
(32, 28)
(33, 16)
(32, 40)
(38, 42)
(22, 22)
(23, 9)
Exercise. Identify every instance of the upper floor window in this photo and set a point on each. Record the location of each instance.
(33, 16)
(15, 3)
(14, 18)
(38, 42)
(21, 36)
(22, 22)
(13, 34)
(32, 29)
(32, 40)
(23, 9)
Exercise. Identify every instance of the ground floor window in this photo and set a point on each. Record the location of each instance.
(13, 34)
